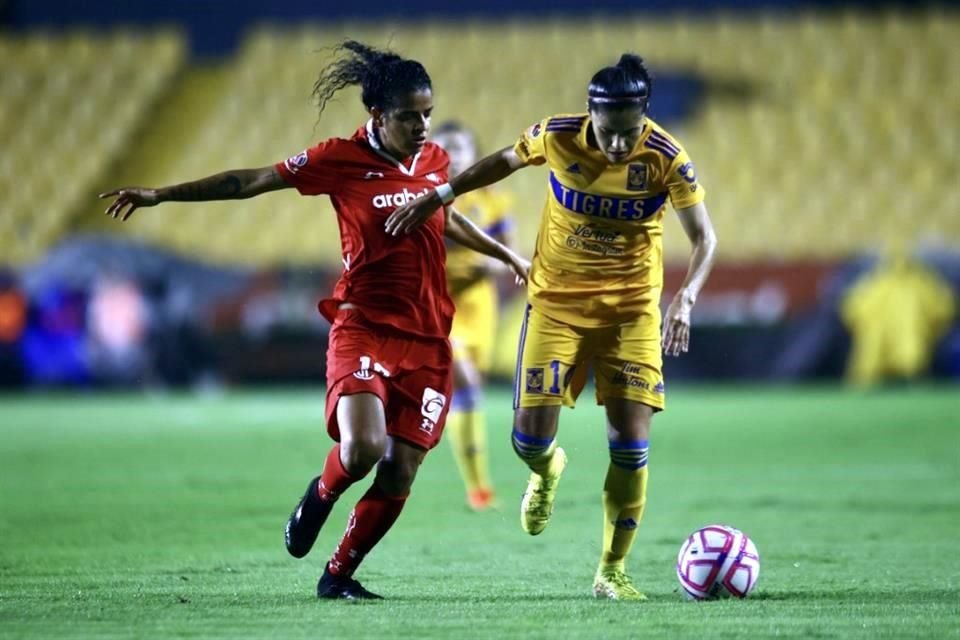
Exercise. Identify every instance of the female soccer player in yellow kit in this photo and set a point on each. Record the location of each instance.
(474, 293)
(594, 291)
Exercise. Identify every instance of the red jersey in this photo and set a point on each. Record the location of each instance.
(399, 281)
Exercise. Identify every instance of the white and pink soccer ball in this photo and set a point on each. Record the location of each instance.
(718, 561)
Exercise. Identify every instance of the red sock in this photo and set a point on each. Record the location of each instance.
(335, 479)
(370, 520)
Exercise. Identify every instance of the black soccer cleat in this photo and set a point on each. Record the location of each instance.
(306, 521)
(331, 587)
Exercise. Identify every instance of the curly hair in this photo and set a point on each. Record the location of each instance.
(382, 75)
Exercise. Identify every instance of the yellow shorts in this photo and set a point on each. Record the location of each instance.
(474, 325)
(554, 359)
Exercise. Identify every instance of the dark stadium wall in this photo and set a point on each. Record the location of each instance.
(214, 26)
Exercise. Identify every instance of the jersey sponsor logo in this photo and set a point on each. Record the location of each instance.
(591, 246)
(373, 174)
(637, 177)
(599, 206)
(535, 380)
(629, 376)
(297, 162)
(687, 172)
(431, 408)
(400, 198)
(594, 239)
(434, 178)
(600, 234)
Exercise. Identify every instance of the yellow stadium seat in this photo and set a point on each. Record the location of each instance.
(818, 163)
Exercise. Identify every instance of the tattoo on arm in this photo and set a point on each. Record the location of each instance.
(224, 186)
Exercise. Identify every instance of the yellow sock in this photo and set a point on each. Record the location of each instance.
(624, 498)
(468, 437)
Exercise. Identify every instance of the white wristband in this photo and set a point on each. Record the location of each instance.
(445, 193)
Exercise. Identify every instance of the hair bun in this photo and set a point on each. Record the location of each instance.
(634, 64)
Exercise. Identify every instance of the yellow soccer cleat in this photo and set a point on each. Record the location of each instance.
(615, 584)
(537, 504)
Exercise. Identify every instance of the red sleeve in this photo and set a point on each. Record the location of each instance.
(313, 171)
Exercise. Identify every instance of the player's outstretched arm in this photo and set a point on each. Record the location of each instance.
(676, 323)
(462, 231)
(494, 168)
(229, 185)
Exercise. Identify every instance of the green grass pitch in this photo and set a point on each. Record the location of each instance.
(132, 516)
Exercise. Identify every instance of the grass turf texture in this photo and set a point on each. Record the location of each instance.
(163, 516)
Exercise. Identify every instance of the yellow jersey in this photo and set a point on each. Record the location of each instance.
(489, 210)
(599, 252)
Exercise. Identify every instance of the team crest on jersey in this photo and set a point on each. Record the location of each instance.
(297, 162)
(535, 380)
(535, 130)
(637, 177)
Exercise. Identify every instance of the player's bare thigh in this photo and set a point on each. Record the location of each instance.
(363, 431)
(364, 442)
(538, 422)
(628, 419)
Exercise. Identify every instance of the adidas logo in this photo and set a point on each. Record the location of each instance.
(574, 168)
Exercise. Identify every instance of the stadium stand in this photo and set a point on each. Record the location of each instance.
(72, 103)
(839, 147)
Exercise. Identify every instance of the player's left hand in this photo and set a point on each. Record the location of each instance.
(411, 215)
(520, 268)
(676, 324)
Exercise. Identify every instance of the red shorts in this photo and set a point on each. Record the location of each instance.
(413, 377)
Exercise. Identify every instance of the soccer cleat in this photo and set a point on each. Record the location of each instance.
(537, 504)
(615, 584)
(305, 522)
(481, 499)
(333, 587)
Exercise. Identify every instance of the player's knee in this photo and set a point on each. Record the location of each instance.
(361, 453)
(529, 447)
(396, 476)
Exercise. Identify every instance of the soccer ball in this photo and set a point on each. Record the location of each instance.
(718, 561)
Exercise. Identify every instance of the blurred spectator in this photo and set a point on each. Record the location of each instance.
(54, 342)
(897, 314)
(13, 321)
(117, 317)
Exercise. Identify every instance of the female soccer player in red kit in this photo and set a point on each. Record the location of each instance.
(389, 358)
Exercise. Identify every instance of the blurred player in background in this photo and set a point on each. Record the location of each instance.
(389, 358)
(594, 291)
(470, 277)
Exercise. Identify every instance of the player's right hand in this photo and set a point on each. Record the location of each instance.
(128, 200)
(411, 215)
